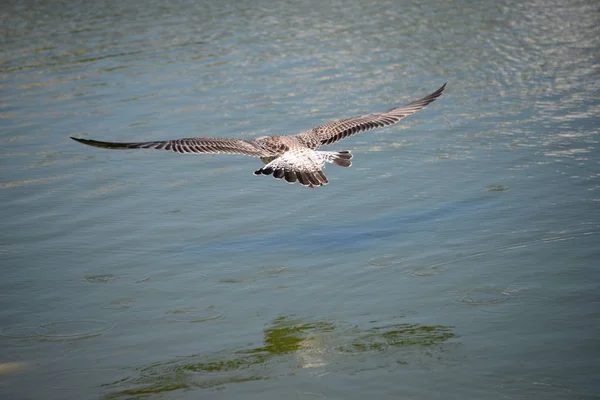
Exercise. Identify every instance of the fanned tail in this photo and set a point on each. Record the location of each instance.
(304, 165)
(305, 178)
(341, 158)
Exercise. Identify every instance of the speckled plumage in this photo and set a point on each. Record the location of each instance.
(293, 158)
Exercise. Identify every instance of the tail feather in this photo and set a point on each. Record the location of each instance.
(342, 163)
(313, 179)
(290, 176)
(303, 165)
(322, 177)
(341, 158)
(303, 179)
(264, 171)
(306, 178)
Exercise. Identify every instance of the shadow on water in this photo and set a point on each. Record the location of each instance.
(289, 346)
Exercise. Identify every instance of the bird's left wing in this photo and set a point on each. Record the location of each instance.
(188, 146)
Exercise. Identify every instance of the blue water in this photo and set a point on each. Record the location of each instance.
(458, 256)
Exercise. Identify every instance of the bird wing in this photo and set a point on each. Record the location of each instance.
(337, 130)
(188, 146)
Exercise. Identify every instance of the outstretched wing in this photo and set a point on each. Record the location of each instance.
(341, 129)
(188, 146)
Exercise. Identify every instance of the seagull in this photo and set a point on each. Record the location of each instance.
(295, 158)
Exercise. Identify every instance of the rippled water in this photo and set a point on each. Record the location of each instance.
(457, 257)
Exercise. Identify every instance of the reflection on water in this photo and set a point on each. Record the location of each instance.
(289, 344)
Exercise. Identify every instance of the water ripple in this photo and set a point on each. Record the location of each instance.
(392, 260)
(58, 331)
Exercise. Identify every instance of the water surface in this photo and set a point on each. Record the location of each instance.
(457, 257)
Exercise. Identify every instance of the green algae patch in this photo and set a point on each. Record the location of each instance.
(289, 345)
(400, 335)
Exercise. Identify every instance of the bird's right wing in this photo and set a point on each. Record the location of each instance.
(188, 146)
(337, 130)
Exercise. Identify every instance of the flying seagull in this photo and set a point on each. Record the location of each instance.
(292, 157)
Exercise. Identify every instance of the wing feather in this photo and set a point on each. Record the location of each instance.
(188, 146)
(337, 130)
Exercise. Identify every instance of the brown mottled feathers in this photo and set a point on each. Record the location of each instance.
(293, 158)
(305, 178)
(190, 145)
(302, 165)
(337, 130)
